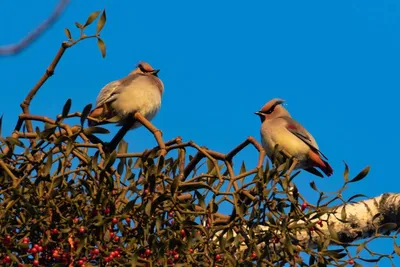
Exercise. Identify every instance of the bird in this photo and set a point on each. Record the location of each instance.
(278, 127)
(140, 91)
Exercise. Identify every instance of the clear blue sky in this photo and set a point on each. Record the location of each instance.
(335, 62)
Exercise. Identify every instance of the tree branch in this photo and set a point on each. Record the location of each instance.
(35, 34)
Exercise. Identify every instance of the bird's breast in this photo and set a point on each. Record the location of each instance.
(286, 140)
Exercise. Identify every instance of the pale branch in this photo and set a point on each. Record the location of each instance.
(363, 220)
(13, 49)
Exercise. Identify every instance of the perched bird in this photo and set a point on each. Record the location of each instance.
(141, 91)
(278, 127)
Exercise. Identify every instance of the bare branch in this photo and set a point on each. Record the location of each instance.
(13, 49)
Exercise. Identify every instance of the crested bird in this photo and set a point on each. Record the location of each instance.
(141, 91)
(278, 127)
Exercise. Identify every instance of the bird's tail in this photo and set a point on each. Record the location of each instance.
(326, 168)
(320, 163)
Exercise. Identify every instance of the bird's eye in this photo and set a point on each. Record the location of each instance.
(142, 68)
(269, 111)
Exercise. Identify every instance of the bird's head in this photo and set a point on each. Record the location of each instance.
(145, 68)
(272, 109)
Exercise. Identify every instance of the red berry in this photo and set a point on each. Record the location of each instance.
(81, 262)
(191, 250)
(116, 238)
(148, 252)
(7, 259)
(35, 263)
(76, 220)
(36, 246)
(311, 228)
(107, 259)
(82, 229)
(170, 214)
(40, 248)
(114, 220)
(217, 257)
(304, 206)
(176, 256)
(254, 255)
(351, 261)
(128, 220)
(33, 250)
(146, 191)
(183, 233)
(96, 251)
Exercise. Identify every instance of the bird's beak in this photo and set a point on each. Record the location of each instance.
(155, 72)
(258, 113)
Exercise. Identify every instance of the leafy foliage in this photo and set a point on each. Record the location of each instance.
(65, 200)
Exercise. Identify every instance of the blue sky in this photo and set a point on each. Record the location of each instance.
(336, 63)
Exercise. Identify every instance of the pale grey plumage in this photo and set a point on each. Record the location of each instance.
(141, 91)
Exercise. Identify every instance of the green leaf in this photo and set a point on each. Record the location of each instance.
(175, 184)
(346, 172)
(102, 47)
(387, 227)
(360, 247)
(396, 248)
(85, 113)
(14, 141)
(109, 161)
(101, 22)
(91, 18)
(356, 196)
(122, 146)
(242, 168)
(313, 186)
(201, 199)
(66, 108)
(95, 129)
(79, 26)
(343, 214)
(49, 162)
(361, 175)
(68, 33)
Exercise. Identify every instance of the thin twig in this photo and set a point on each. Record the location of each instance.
(36, 33)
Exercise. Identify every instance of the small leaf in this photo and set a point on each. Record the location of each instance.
(387, 227)
(242, 168)
(14, 141)
(95, 129)
(85, 113)
(396, 248)
(123, 146)
(361, 175)
(68, 33)
(360, 247)
(346, 172)
(102, 47)
(48, 163)
(313, 186)
(101, 22)
(343, 214)
(109, 161)
(355, 196)
(79, 26)
(66, 108)
(175, 184)
(92, 17)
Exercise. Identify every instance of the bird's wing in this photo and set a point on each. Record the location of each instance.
(107, 93)
(295, 128)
